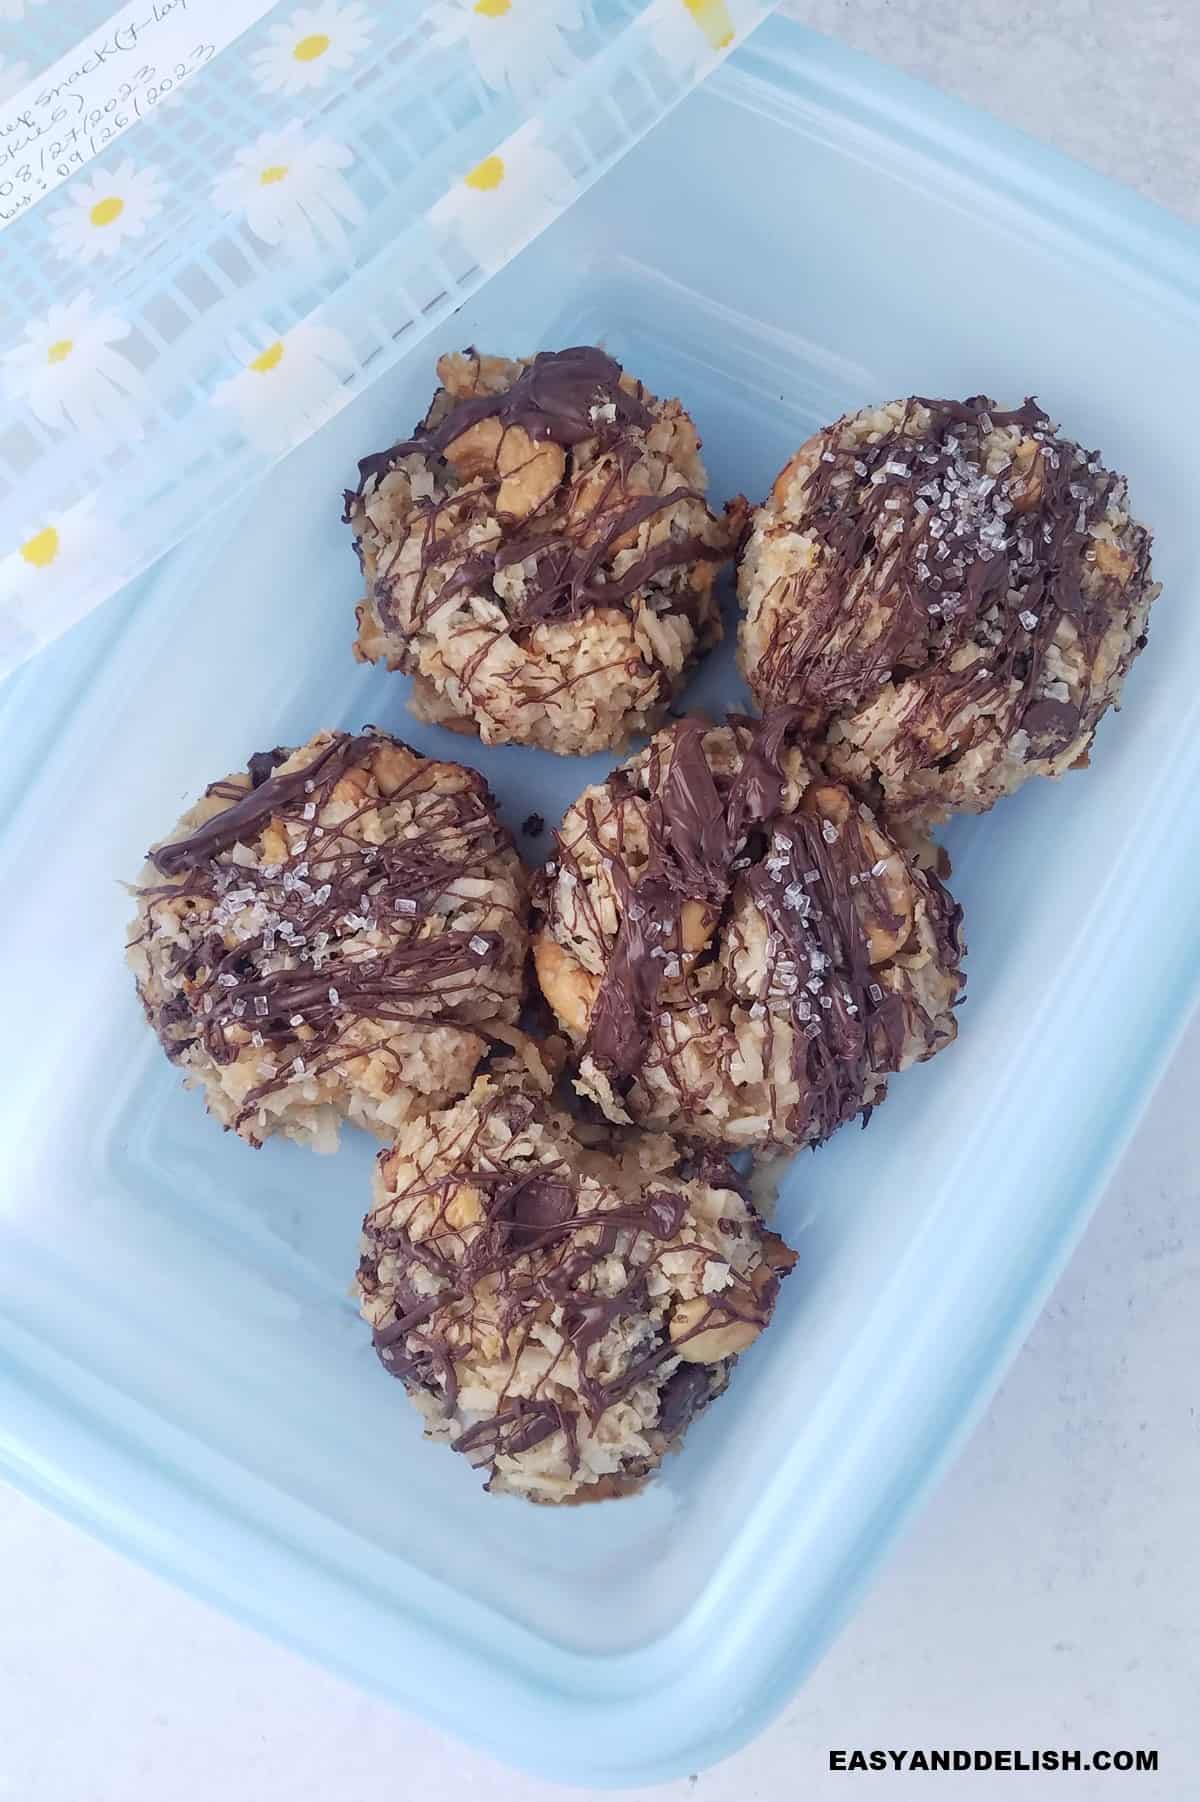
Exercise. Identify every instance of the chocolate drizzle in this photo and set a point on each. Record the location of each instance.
(538, 1248)
(553, 401)
(693, 819)
(821, 888)
(555, 561)
(567, 576)
(847, 1027)
(286, 956)
(268, 795)
(936, 569)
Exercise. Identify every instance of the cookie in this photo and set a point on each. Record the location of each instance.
(333, 933)
(736, 946)
(559, 1313)
(951, 594)
(539, 556)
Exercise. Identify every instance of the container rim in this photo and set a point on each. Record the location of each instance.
(718, 1676)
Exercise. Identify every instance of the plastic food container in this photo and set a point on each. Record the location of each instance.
(181, 1367)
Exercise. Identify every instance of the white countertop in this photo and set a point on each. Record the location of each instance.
(1049, 1596)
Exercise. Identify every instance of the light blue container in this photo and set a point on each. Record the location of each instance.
(181, 1368)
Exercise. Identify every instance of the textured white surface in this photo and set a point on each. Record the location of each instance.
(1049, 1595)
(1111, 81)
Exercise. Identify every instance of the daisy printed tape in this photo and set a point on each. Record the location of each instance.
(116, 76)
(320, 187)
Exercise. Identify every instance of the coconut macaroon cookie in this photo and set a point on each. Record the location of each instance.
(334, 932)
(951, 594)
(559, 1314)
(539, 555)
(737, 948)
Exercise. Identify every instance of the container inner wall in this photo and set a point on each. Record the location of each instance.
(773, 272)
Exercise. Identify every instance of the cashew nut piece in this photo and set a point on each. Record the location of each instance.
(697, 922)
(885, 941)
(275, 847)
(828, 800)
(393, 765)
(1025, 490)
(568, 987)
(600, 498)
(698, 1344)
(882, 941)
(465, 376)
(1111, 561)
(475, 451)
(531, 472)
(352, 787)
(465, 1207)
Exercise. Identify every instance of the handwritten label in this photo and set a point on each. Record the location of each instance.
(119, 74)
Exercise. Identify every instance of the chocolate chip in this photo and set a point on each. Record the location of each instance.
(262, 763)
(1053, 721)
(535, 1206)
(683, 1395)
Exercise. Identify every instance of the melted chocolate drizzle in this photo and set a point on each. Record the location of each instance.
(564, 397)
(294, 971)
(539, 1246)
(551, 401)
(268, 795)
(707, 833)
(981, 563)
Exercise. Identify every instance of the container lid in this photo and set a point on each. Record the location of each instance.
(221, 220)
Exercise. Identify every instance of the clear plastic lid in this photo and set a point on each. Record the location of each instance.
(220, 220)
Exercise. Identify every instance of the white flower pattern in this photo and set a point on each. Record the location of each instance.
(290, 191)
(689, 33)
(517, 45)
(362, 112)
(67, 372)
(59, 563)
(506, 199)
(103, 211)
(289, 387)
(311, 45)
